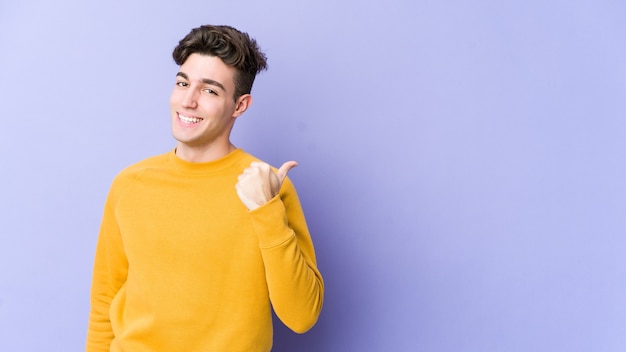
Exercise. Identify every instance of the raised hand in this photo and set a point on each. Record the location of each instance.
(258, 183)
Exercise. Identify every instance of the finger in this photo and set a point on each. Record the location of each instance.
(260, 165)
(284, 169)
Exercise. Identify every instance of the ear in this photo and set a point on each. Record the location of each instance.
(242, 104)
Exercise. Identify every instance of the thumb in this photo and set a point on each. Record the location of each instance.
(284, 168)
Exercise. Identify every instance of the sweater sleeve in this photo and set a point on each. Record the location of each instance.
(109, 274)
(295, 284)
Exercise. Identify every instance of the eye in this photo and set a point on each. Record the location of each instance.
(210, 91)
(182, 84)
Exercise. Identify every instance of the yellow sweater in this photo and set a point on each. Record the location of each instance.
(182, 265)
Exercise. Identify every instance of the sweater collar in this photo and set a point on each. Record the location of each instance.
(228, 160)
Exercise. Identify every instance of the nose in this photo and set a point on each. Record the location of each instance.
(190, 99)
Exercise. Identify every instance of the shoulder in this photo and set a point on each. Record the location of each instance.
(139, 167)
(244, 159)
(129, 174)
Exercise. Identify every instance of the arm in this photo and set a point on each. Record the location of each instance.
(295, 284)
(109, 274)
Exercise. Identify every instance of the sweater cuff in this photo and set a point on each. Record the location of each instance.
(270, 223)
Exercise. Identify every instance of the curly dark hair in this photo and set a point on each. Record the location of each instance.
(235, 48)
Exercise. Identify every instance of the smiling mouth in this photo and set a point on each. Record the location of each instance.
(187, 120)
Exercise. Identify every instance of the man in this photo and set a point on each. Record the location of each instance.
(197, 245)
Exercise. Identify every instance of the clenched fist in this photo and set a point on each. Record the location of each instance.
(258, 183)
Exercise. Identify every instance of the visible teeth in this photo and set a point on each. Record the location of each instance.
(189, 120)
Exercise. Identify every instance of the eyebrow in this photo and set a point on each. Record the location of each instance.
(204, 80)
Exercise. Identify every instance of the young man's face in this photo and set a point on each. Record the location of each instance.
(202, 106)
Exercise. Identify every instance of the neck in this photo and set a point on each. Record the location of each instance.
(203, 154)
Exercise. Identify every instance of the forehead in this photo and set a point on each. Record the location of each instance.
(200, 68)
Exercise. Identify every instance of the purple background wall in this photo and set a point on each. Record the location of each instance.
(462, 163)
